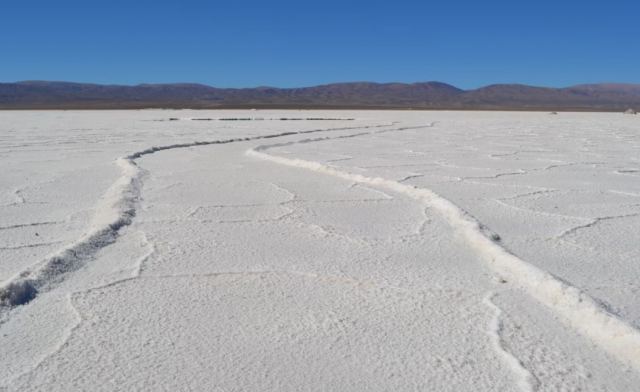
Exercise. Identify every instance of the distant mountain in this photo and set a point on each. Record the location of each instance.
(427, 95)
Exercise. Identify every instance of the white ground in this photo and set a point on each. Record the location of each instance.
(444, 251)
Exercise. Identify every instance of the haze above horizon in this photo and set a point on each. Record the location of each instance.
(290, 44)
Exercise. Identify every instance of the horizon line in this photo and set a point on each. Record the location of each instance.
(142, 84)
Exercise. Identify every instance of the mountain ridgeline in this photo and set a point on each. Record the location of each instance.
(360, 95)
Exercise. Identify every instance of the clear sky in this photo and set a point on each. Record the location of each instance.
(300, 43)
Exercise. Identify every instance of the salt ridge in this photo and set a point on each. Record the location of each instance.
(116, 209)
(578, 309)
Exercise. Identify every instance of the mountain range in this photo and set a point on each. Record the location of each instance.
(356, 95)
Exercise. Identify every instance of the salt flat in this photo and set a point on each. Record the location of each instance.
(333, 250)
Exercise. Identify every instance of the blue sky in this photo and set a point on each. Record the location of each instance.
(300, 43)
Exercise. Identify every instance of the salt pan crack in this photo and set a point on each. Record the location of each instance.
(526, 381)
(116, 210)
(578, 309)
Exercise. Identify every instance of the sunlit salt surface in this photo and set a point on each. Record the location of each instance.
(345, 250)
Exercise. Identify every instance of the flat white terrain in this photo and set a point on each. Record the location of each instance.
(331, 251)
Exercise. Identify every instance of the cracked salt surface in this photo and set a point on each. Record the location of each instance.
(237, 273)
(586, 315)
